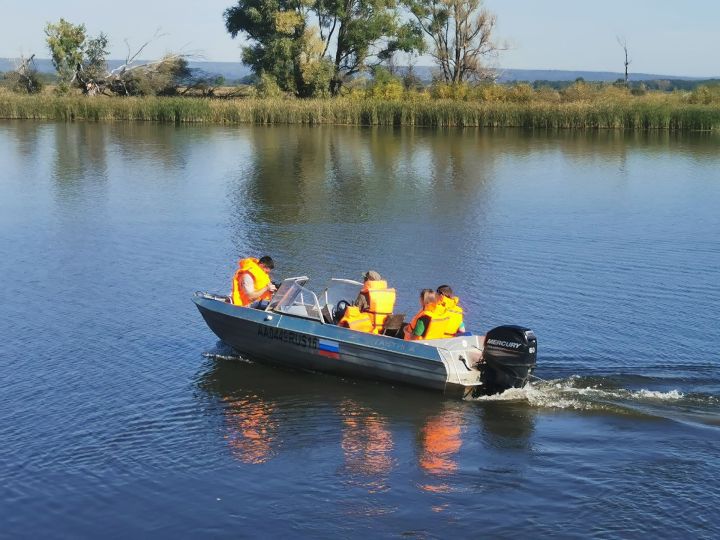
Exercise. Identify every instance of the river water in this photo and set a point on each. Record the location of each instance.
(121, 414)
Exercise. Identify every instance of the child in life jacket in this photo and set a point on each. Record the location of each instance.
(430, 322)
(456, 324)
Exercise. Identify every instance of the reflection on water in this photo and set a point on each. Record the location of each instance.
(169, 149)
(80, 155)
(440, 442)
(507, 424)
(335, 176)
(440, 439)
(367, 445)
(372, 429)
(250, 429)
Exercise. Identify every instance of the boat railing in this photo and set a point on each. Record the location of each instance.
(211, 296)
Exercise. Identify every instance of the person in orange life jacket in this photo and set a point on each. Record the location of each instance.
(251, 283)
(430, 322)
(362, 302)
(456, 324)
(375, 299)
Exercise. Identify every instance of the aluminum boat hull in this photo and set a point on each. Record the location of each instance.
(270, 337)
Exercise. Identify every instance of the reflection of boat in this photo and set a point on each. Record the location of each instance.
(440, 442)
(367, 444)
(298, 330)
(250, 430)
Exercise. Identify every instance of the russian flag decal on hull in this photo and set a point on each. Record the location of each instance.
(329, 348)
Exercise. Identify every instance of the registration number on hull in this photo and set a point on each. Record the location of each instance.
(288, 336)
(324, 347)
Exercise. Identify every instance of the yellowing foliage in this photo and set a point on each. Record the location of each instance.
(287, 21)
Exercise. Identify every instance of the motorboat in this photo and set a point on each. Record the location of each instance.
(298, 329)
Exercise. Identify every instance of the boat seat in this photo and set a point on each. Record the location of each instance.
(327, 315)
(394, 324)
(313, 313)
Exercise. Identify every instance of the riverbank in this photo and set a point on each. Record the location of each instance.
(636, 114)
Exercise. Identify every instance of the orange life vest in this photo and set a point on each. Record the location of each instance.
(354, 319)
(381, 301)
(260, 278)
(435, 329)
(455, 314)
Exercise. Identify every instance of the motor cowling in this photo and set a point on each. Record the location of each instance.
(510, 354)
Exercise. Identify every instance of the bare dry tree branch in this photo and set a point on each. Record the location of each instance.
(623, 43)
(130, 58)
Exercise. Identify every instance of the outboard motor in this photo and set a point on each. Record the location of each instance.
(510, 354)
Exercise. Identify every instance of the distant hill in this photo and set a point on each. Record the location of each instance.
(532, 75)
(234, 71)
(555, 75)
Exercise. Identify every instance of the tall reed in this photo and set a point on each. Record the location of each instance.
(634, 114)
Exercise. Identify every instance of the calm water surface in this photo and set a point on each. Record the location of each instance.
(121, 415)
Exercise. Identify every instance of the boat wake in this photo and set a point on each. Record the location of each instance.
(694, 400)
(223, 352)
(603, 394)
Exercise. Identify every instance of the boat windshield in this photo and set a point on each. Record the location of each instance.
(340, 289)
(292, 298)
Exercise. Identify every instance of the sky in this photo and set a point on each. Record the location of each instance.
(663, 36)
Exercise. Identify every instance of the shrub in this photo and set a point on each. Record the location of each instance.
(705, 95)
(520, 93)
(639, 90)
(385, 85)
(23, 81)
(456, 91)
(578, 91)
(547, 94)
(158, 79)
(316, 78)
(491, 92)
(267, 86)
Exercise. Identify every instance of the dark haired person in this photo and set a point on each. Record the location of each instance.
(251, 283)
(430, 321)
(456, 324)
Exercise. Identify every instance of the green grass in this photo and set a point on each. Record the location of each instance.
(642, 113)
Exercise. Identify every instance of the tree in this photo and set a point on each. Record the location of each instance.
(623, 43)
(24, 78)
(65, 41)
(92, 72)
(365, 28)
(461, 36)
(162, 78)
(311, 60)
(78, 61)
(276, 28)
(316, 69)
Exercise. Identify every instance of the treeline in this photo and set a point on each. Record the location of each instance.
(308, 48)
(314, 48)
(636, 87)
